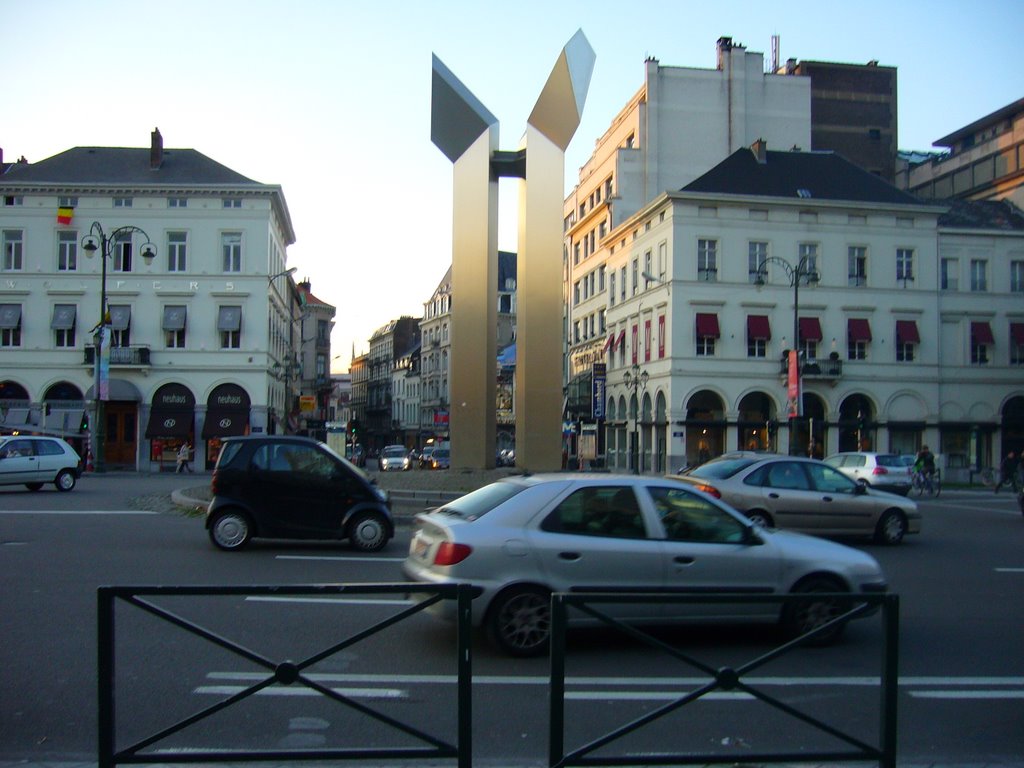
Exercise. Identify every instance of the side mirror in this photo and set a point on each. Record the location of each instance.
(861, 487)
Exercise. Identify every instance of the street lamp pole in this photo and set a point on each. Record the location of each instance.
(635, 379)
(98, 240)
(804, 270)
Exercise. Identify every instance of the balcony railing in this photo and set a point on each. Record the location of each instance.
(815, 369)
(121, 356)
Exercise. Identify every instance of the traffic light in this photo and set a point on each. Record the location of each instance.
(46, 409)
(84, 426)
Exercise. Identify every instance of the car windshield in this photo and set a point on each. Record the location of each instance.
(481, 501)
(888, 460)
(348, 464)
(394, 451)
(722, 468)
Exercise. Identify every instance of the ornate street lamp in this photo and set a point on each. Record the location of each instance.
(635, 379)
(804, 270)
(98, 240)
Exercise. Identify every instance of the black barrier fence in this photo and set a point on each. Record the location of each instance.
(726, 679)
(277, 673)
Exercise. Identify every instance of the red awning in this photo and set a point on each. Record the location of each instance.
(906, 332)
(810, 329)
(1017, 333)
(981, 333)
(858, 329)
(620, 341)
(707, 325)
(758, 327)
(609, 344)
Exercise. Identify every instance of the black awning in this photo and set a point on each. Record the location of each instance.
(225, 422)
(169, 422)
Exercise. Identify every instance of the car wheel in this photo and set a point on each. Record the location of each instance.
(520, 621)
(802, 616)
(231, 530)
(368, 532)
(760, 517)
(65, 480)
(892, 526)
(33, 486)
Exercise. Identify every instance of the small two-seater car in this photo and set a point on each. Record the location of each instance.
(288, 487)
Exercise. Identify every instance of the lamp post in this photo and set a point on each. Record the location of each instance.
(635, 379)
(98, 240)
(804, 270)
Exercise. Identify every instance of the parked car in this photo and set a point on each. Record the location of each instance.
(884, 471)
(394, 457)
(34, 460)
(440, 458)
(523, 537)
(804, 495)
(287, 487)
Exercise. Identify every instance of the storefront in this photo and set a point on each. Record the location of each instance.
(171, 423)
(227, 415)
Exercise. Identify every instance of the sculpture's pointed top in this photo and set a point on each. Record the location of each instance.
(559, 108)
(457, 117)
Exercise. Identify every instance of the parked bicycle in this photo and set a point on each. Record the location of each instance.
(926, 484)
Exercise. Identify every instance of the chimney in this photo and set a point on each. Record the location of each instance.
(760, 150)
(156, 150)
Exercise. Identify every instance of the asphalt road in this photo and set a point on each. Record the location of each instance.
(961, 693)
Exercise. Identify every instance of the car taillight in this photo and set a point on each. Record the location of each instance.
(879, 471)
(450, 553)
(213, 483)
(710, 490)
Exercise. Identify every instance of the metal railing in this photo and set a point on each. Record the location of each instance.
(135, 355)
(277, 673)
(724, 679)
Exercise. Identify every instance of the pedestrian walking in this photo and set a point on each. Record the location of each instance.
(1008, 472)
(183, 458)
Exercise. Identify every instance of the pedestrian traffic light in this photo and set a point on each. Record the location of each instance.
(84, 426)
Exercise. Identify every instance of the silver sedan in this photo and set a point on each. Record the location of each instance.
(518, 540)
(804, 495)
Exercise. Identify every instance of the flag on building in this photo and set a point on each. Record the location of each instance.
(64, 214)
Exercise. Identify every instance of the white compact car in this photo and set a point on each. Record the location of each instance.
(33, 461)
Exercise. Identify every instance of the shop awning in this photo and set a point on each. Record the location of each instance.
(63, 317)
(810, 329)
(906, 332)
(120, 317)
(758, 327)
(229, 319)
(174, 318)
(858, 329)
(15, 417)
(1017, 333)
(981, 333)
(225, 422)
(10, 315)
(169, 422)
(707, 325)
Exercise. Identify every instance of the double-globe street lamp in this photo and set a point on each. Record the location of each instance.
(804, 270)
(635, 380)
(98, 240)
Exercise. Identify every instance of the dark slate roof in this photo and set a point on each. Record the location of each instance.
(795, 175)
(982, 214)
(127, 166)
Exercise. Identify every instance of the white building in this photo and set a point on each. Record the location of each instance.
(204, 338)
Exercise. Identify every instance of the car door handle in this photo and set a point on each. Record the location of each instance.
(683, 559)
(773, 495)
(826, 498)
(568, 555)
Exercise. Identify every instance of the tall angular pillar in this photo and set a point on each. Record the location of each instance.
(467, 133)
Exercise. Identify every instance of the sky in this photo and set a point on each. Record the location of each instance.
(330, 99)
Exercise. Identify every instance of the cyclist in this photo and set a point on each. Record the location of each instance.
(924, 466)
(1008, 472)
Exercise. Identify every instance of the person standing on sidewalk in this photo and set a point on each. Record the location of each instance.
(1008, 472)
(183, 458)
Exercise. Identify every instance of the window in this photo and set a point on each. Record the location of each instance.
(122, 202)
(857, 260)
(67, 202)
(322, 332)
(576, 292)
(648, 268)
(807, 253)
(905, 265)
(907, 339)
(177, 249)
(229, 325)
(707, 332)
(1017, 276)
(601, 277)
(757, 252)
(686, 517)
(611, 288)
(232, 202)
(707, 260)
(14, 248)
(758, 335)
(11, 200)
(610, 511)
(981, 340)
(177, 202)
(123, 253)
(231, 247)
(67, 251)
(1016, 343)
(662, 260)
(10, 325)
(120, 325)
(636, 275)
(979, 275)
(174, 326)
(622, 284)
(949, 276)
(858, 335)
(576, 253)
(63, 325)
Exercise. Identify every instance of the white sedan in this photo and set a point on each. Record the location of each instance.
(518, 540)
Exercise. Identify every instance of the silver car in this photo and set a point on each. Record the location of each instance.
(394, 457)
(519, 539)
(34, 460)
(804, 495)
(884, 471)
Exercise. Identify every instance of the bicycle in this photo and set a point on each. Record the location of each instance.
(989, 477)
(923, 483)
